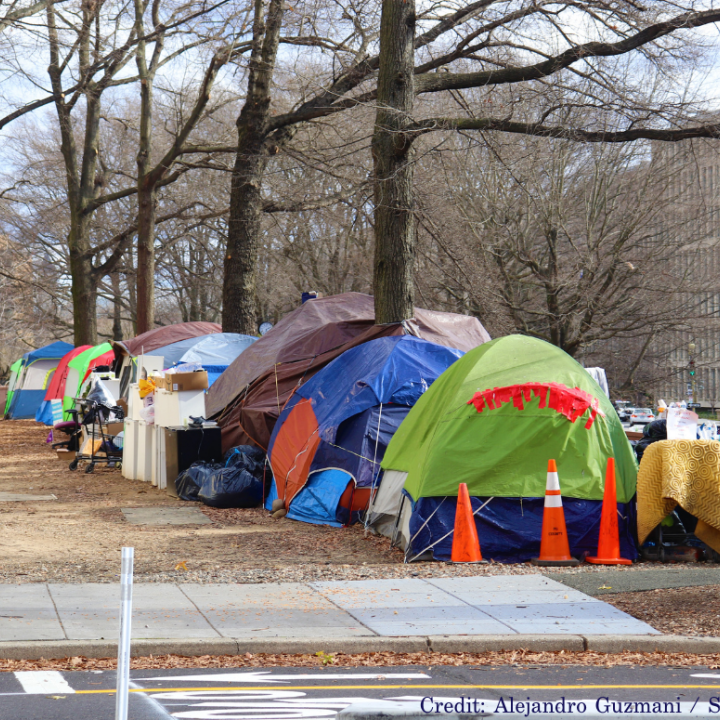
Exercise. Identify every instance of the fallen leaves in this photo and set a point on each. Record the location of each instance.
(675, 611)
(515, 658)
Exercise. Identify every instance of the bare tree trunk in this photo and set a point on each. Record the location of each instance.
(244, 224)
(84, 285)
(239, 310)
(195, 311)
(80, 177)
(146, 257)
(145, 184)
(117, 331)
(131, 289)
(393, 156)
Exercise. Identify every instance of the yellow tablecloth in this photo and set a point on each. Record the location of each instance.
(684, 473)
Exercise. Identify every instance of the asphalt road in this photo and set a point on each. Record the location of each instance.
(303, 694)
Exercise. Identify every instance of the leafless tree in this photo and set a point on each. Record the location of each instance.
(91, 48)
(612, 30)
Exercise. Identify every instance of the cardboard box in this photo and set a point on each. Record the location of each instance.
(65, 455)
(91, 447)
(114, 428)
(181, 382)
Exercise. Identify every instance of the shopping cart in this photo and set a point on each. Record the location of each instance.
(96, 417)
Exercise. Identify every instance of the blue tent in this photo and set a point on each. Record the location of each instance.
(33, 378)
(214, 352)
(326, 448)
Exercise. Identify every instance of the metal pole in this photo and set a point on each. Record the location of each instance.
(123, 664)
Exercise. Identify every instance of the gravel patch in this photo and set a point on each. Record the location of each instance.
(310, 572)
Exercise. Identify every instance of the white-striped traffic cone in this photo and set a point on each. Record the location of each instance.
(554, 546)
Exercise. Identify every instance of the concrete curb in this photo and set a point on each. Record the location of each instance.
(58, 649)
(370, 643)
(489, 643)
(653, 643)
(192, 647)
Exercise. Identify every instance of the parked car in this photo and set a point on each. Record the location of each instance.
(641, 415)
(624, 413)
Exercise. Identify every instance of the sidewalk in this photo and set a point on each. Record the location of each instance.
(315, 612)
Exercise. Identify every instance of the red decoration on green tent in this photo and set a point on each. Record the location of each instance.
(570, 402)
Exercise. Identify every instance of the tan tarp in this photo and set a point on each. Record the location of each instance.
(162, 336)
(248, 397)
(684, 473)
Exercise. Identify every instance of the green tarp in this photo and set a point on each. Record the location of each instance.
(15, 369)
(503, 451)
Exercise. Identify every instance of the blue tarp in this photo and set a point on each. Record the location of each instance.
(26, 401)
(509, 528)
(214, 352)
(359, 400)
(317, 502)
(54, 351)
(44, 412)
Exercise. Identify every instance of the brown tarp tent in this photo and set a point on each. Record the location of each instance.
(248, 397)
(162, 336)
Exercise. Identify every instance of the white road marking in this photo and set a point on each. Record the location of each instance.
(707, 675)
(263, 704)
(269, 677)
(157, 707)
(294, 705)
(43, 682)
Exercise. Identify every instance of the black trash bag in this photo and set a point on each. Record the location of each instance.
(652, 432)
(231, 487)
(246, 457)
(189, 482)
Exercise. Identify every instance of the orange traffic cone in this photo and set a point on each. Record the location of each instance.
(466, 545)
(609, 541)
(554, 546)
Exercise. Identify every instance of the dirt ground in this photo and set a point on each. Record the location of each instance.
(78, 536)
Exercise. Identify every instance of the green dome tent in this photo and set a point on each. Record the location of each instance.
(15, 370)
(78, 369)
(492, 420)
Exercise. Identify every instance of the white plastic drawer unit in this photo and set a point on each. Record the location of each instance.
(145, 451)
(135, 403)
(130, 456)
(175, 408)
